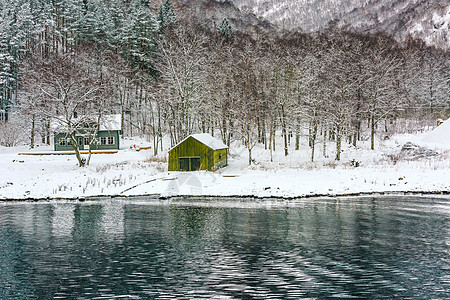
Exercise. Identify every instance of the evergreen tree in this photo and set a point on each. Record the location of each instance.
(166, 15)
(225, 29)
(15, 28)
(138, 44)
(6, 77)
(96, 23)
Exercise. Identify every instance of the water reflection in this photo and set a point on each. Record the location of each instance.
(112, 221)
(364, 248)
(63, 219)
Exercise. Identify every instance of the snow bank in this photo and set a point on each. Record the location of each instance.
(440, 135)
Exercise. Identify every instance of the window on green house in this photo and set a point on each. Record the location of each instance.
(62, 141)
(103, 140)
(80, 141)
(110, 140)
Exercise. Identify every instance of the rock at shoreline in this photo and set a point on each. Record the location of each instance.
(415, 151)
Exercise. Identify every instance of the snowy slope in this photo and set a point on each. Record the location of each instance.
(309, 15)
(433, 27)
(440, 135)
(424, 19)
(212, 12)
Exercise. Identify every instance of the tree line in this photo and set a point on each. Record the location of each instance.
(171, 77)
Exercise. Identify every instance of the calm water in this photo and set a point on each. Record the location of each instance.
(360, 248)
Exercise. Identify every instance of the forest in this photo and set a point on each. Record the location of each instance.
(170, 76)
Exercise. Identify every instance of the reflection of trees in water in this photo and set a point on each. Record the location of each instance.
(112, 221)
(99, 221)
(192, 222)
(35, 220)
(87, 221)
(63, 219)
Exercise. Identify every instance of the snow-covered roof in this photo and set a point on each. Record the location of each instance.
(207, 140)
(107, 122)
(111, 122)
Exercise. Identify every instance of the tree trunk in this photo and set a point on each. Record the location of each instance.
(264, 135)
(313, 139)
(270, 141)
(338, 147)
(297, 135)
(155, 144)
(274, 132)
(47, 132)
(32, 130)
(77, 149)
(89, 155)
(338, 142)
(372, 133)
(160, 135)
(286, 153)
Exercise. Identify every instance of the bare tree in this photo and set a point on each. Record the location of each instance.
(380, 69)
(248, 100)
(73, 91)
(181, 66)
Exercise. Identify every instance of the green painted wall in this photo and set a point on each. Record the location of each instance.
(96, 146)
(209, 159)
(220, 158)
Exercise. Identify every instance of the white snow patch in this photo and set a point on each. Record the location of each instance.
(440, 135)
(111, 122)
(107, 122)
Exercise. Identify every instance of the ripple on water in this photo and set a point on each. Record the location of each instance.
(360, 248)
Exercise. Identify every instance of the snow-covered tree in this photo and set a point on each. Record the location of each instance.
(380, 68)
(166, 15)
(181, 60)
(71, 92)
(137, 37)
(226, 30)
(15, 31)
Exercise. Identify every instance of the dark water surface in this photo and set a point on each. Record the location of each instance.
(355, 248)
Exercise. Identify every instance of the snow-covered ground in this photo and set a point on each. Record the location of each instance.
(424, 166)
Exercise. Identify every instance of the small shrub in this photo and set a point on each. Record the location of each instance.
(394, 158)
(161, 167)
(157, 158)
(331, 164)
(10, 134)
(106, 167)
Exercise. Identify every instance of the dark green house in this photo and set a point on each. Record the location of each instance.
(107, 138)
(198, 152)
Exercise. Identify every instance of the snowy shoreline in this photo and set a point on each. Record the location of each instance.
(402, 165)
(123, 180)
(157, 197)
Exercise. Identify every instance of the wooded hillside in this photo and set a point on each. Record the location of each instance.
(171, 77)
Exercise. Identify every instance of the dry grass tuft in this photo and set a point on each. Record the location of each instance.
(157, 158)
(331, 164)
